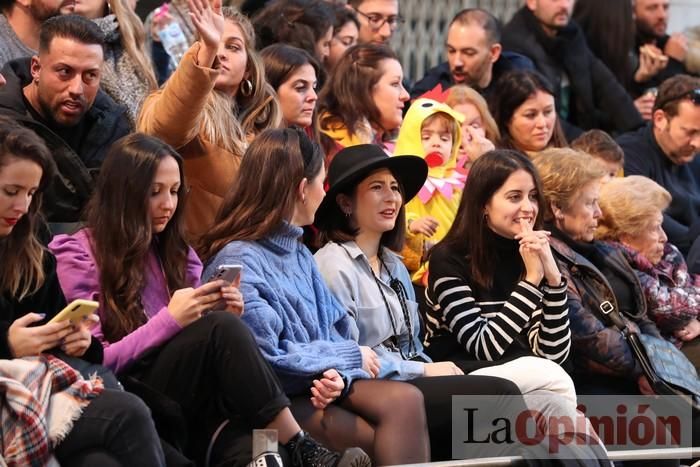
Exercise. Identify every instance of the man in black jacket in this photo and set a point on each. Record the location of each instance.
(586, 92)
(57, 94)
(665, 151)
(474, 55)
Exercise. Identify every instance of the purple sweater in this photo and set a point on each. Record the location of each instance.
(79, 278)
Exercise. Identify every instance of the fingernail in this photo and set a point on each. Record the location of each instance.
(42, 315)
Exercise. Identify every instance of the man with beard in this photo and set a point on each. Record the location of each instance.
(57, 94)
(586, 92)
(474, 55)
(20, 21)
(665, 150)
(655, 45)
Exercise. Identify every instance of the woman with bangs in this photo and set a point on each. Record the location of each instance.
(211, 107)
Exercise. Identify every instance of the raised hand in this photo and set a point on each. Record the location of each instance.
(651, 61)
(537, 242)
(475, 145)
(208, 20)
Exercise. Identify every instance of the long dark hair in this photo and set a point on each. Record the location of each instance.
(121, 234)
(22, 271)
(610, 31)
(264, 195)
(338, 226)
(470, 236)
(509, 93)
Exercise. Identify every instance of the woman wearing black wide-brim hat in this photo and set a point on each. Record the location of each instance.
(362, 220)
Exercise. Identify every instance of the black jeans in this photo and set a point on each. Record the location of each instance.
(214, 370)
(114, 429)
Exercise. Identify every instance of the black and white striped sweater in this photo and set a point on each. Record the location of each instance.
(488, 324)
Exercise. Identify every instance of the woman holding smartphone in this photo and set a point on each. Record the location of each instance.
(154, 325)
(30, 296)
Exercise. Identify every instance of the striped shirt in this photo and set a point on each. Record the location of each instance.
(486, 325)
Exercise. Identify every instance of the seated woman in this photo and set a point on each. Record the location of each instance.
(632, 210)
(156, 325)
(479, 130)
(362, 218)
(362, 101)
(30, 296)
(596, 273)
(522, 103)
(497, 299)
(215, 101)
(304, 333)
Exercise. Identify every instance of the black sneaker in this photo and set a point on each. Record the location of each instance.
(307, 452)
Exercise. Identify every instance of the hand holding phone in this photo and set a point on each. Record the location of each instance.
(232, 300)
(76, 311)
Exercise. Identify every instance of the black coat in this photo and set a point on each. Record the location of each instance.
(105, 123)
(597, 98)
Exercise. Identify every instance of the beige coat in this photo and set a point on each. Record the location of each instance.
(173, 114)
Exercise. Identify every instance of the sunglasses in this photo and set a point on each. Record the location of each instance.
(693, 95)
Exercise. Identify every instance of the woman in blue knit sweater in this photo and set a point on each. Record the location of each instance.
(305, 334)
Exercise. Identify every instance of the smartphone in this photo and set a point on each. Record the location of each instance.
(76, 311)
(227, 272)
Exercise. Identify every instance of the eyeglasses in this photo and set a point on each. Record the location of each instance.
(693, 95)
(377, 20)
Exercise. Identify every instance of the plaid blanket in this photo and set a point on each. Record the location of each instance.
(41, 397)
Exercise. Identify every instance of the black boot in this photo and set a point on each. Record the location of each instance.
(307, 452)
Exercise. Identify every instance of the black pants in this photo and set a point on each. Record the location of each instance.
(214, 370)
(437, 395)
(115, 429)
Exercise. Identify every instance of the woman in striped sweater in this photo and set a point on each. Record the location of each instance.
(498, 301)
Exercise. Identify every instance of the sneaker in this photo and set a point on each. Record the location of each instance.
(307, 452)
(267, 459)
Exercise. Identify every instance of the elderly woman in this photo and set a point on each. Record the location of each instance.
(631, 222)
(596, 274)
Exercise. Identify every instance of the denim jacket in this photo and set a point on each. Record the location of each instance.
(598, 346)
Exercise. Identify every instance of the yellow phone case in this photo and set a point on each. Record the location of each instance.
(76, 310)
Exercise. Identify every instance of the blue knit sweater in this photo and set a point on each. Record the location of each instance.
(301, 329)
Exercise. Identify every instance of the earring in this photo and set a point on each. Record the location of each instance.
(246, 87)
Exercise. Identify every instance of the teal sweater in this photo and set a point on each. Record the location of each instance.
(301, 329)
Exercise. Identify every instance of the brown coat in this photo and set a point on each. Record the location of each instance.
(174, 114)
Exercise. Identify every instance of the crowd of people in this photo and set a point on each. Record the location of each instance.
(398, 241)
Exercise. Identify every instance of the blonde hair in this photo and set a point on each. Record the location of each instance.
(229, 123)
(133, 39)
(629, 205)
(564, 172)
(463, 94)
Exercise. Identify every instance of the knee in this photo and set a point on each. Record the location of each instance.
(227, 324)
(131, 412)
(409, 398)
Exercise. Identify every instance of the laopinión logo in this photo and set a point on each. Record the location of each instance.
(551, 426)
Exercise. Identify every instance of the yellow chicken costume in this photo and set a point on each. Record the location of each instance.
(442, 190)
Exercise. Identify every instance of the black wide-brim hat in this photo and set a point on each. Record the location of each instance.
(352, 164)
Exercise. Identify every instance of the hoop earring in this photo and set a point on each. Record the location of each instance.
(246, 88)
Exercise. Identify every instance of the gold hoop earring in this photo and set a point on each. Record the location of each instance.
(246, 87)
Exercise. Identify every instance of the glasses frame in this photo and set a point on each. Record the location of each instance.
(393, 21)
